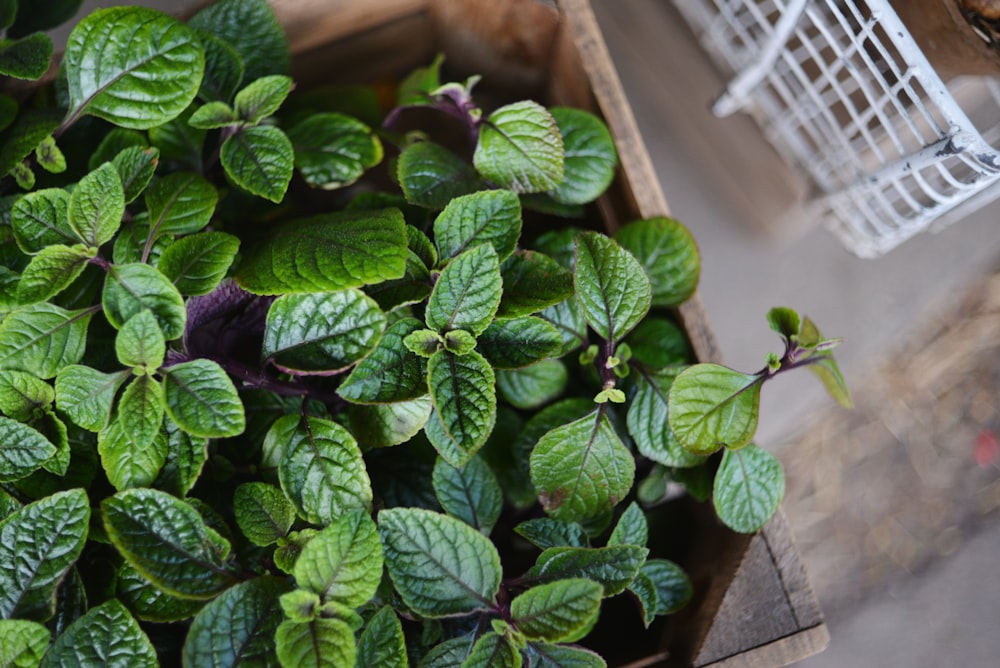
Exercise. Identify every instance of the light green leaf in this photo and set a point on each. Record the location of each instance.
(132, 288)
(467, 293)
(96, 206)
(223, 69)
(432, 176)
(321, 333)
(24, 175)
(582, 469)
(202, 400)
(647, 419)
(148, 603)
(38, 544)
(613, 566)
(333, 150)
(748, 489)
(519, 342)
(487, 217)
(41, 219)
(259, 160)
(439, 565)
(140, 413)
(300, 605)
(390, 372)
(321, 643)
(673, 588)
(493, 650)
(262, 98)
(532, 386)
(321, 468)
(132, 66)
(343, 562)
(42, 339)
(458, 342)
(520, 148)
(386, 425)
(86, 395)
(611, 286)
(464, 401)
(180, 203)
(106, 636)
(591, 158)
(785, 321)
(532, 282)
(471, 493)
(668, 253)
(382, 643)
(51, 271)
(23, 397)
(197, 263)
(327, 252)
(251, 28)
(560, 611)
(127, 461)
(632, 528)
(262, 512)
(140, 342)
(711, 407)
(545, 532)
(22, 643)
(545, 655)
(212, 116)
(49, 157)
(135, 166)
(828, 372)
(238, 627)
(167, 541)
(22, 450)
(26, 58)
(424, 342)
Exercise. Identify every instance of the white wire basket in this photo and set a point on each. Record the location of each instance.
(842, 90)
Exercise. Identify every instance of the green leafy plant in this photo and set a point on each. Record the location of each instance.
(261, 403)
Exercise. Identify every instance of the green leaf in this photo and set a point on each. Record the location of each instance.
(212, 116)
(467, 293)
(828, 372)
(321, 333)
(202, 400)
(132, 66)
(487, 217)
(96, 206)
(22, 643)
(591, 158)
(186, 455)
(140, 342)
(673, 588)
(658, 342)
(262, 512)
(223, 69)
(458, 342)
(31, 129)
(545, 532)
(432, 176)
(632, 528)
(42, 339)
(127, 461)
(41, 219)
(300, 605)
(464, 401)
(327, 252)
(113, 143)
(493, 650)
(262, 98)
(238, 627)
(450, 653)
(140, 412)
(382, 643)
(711, 407)
(439, 565)
(49, 157)
(545, 655)
(414, 287)
(749, 486)
(648, 423)
(51, 271)
(22, 450)
(390, 372)
(259, 160)
(180, 203)
(644, 592)
(611, 286)
(533, 282)
(26, 58)
(560, 611)
(424, 342)
(132, 288)
(85, 395)
(516, 343)
(135, 166)
(167, 541)
(582, 469)
(148, 603)
(520, 148)
(24, 175)
(8, 108)
(533, 386)
(8, 12)
(333, 150)
(386, 425)
(197, 264)
(31, 18)
(786, 322)
(178, 142)
(668, 253)
(321, 468)
(471, 493)
(320, 643)
(38, 544)
(613, 566)
(24, 397)
(343, 562)
(250, 27)
(567, 318)
(106, 636)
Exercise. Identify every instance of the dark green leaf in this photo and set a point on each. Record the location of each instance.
(431, 175)
(532, 386)
(22, 450)
(667, 251)
(450, 653)
(673, 588)
(644, 591)
(8, 108)
(51, 271)
(26, 58)
(632, 528)
(421, 246)
(439, 565)
(43, 339)
(135, 166)
(132, 288)
(591, 158)
(532, 282)
(32, 17)
(168, 542)
(545, 532)
(147, 602)
(126, 461)
(749, 486)
(259, 160)
(261, 98)
(22, 138)
(41, 219)
(386, 425)
(545, 655)
(343, 562)
(180, 203)
(648, 419)
(22, 643)
(516, 343)
(179, 142)
(614, 566)
(333, 150)
(106, 636)
(711, 407)
(116, 141)
(470, 493)
(464, 401)
(467, 293)
(186, 455)
(23, 397)
(493, 650)
(223, 69)
(324, 643)
(250, 27)
(382, 643)
(262, 512)
(560, 611)
(390, 372)
(96, 206)
(567, 317)
(412, 288)
(658, 342)
(611, 286)
(38, 544)
(8, 12)
(487, 217)
(202, 400)
(86, 395)
(520, 148)
(132, 66)
(140, 413)
(327, 252)
(140, 342)
(785, 321)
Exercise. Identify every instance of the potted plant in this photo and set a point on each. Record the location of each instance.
(283, 386)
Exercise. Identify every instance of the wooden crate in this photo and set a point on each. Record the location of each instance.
(753, 605)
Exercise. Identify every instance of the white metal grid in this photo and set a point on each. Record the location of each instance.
(841, 89)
